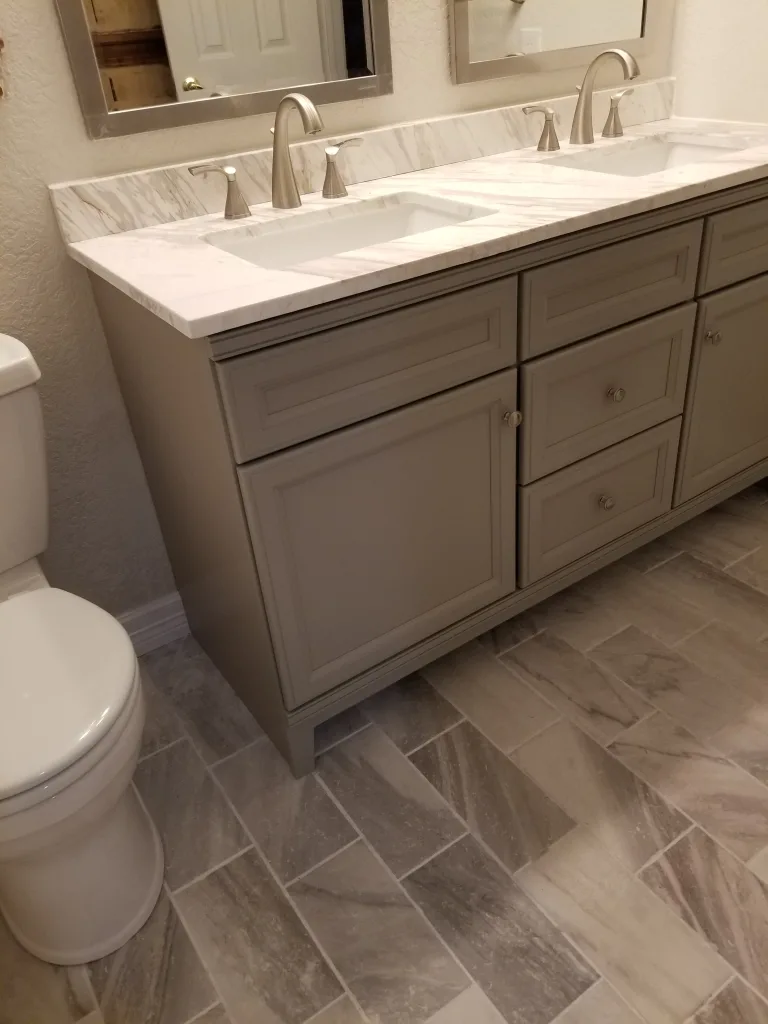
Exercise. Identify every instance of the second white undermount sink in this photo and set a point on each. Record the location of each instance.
(638, 157)
(298, 238)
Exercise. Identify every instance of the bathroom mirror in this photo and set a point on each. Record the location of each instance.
(140, 65)
(497, 38)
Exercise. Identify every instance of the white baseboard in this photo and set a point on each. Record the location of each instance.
(155, 624)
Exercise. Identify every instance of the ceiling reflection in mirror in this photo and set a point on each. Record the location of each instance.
(152, 52)
(516, 28)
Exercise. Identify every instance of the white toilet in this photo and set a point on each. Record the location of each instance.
(81, 864)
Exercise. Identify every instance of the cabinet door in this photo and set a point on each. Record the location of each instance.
(373, 538)
(726, 416)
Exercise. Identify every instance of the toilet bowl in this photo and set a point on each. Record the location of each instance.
(81, 864)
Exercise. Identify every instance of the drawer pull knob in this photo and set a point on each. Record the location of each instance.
(714, 337)
(617, 394)
(606, 502)
(513, 419)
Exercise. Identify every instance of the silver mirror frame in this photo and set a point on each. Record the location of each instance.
(466, 70)
(101, 122)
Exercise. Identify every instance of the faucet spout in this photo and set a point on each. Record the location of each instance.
(285, 191)
(583, 130)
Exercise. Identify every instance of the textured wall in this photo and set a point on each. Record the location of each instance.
(720, 61)
(105, 543)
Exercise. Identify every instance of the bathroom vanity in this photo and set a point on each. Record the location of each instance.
(352, 489)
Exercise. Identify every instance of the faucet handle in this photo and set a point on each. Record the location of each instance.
(549, 141)
(334, 187)
(236, 207)
(614, 129)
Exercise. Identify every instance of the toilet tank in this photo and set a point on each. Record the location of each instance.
(23, 471)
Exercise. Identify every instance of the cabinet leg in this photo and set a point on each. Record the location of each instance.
(299, 749)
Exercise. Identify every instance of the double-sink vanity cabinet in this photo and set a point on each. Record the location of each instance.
(350, 491)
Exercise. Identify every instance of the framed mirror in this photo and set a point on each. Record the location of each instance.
(499, 38)
(141, 65)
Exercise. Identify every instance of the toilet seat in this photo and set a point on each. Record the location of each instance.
(67, 672)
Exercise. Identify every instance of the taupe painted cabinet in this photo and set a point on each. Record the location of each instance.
(338, 487)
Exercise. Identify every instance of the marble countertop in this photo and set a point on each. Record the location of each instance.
(200, 289)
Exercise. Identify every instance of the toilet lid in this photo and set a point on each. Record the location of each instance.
(66, 671)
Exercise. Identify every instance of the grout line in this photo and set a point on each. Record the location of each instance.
(534, 736)
(580, 999)
(321, 863)
(741, 558)
(162, 750)
(332, 746)
(432, 856)
(661, 853)
(690, 636)
(705, 1005)
(291, 902)
(611, 636)
(325, 1009)
(437, 736)
(228, 757)
(202, 1013)
(517, 643)
(210, 871)
(658, 565)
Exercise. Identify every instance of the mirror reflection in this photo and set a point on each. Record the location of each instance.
(153, 52)
(514, 28)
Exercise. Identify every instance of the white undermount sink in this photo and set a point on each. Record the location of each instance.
(637, 157)
(310, 235)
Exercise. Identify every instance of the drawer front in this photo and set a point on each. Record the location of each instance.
(279, 396)
(735, 246)
(581, 508)
(378, 536)
(595, 394)
(584, 295)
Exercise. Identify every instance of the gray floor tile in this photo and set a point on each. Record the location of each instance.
(596, 699)
(294, 821)
(726, 656)
(163, 725)
(501, 805)
(490, 696)
(343, 1011)
(156, 978)
(752, 570)
(715, 594)
(263, 961)
(730, 804)
(411, 712)
(511, 633)
(391, 960)
(577, 616)
(627, 816)
(472, 1007)
(649, 556)
(216, 1015)
(736, 1004)
(713, 892)
(32, 992)
(509, 947)
(216, 719)
(746, 742)
(601, 1005)
(339, 728)
(661, 968)
(718, 536)
(195, 822)
(667, 679)
(389, 800)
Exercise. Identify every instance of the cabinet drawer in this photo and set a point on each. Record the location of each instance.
(726, 413)
(735, 246)
(295, 391)
(584, 295)
(372, 539)
(579, 509)
(590, 396)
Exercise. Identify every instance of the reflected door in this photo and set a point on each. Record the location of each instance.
(234, 46)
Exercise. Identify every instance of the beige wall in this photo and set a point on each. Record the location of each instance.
(105, 542)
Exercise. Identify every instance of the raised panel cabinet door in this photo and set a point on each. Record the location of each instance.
(726, 415)
(371, 539)
(735, 246)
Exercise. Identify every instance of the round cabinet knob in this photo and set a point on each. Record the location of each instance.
(606, 502)
(714, 337)
(512, 419)
(191, 84)
(617, 394)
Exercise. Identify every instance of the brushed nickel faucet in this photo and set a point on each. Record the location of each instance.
(334, 186)
(583, 130)
(236, 207)
(285, 191)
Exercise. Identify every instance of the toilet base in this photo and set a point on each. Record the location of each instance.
(82, 901)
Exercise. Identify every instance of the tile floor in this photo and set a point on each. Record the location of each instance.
(565, 821)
